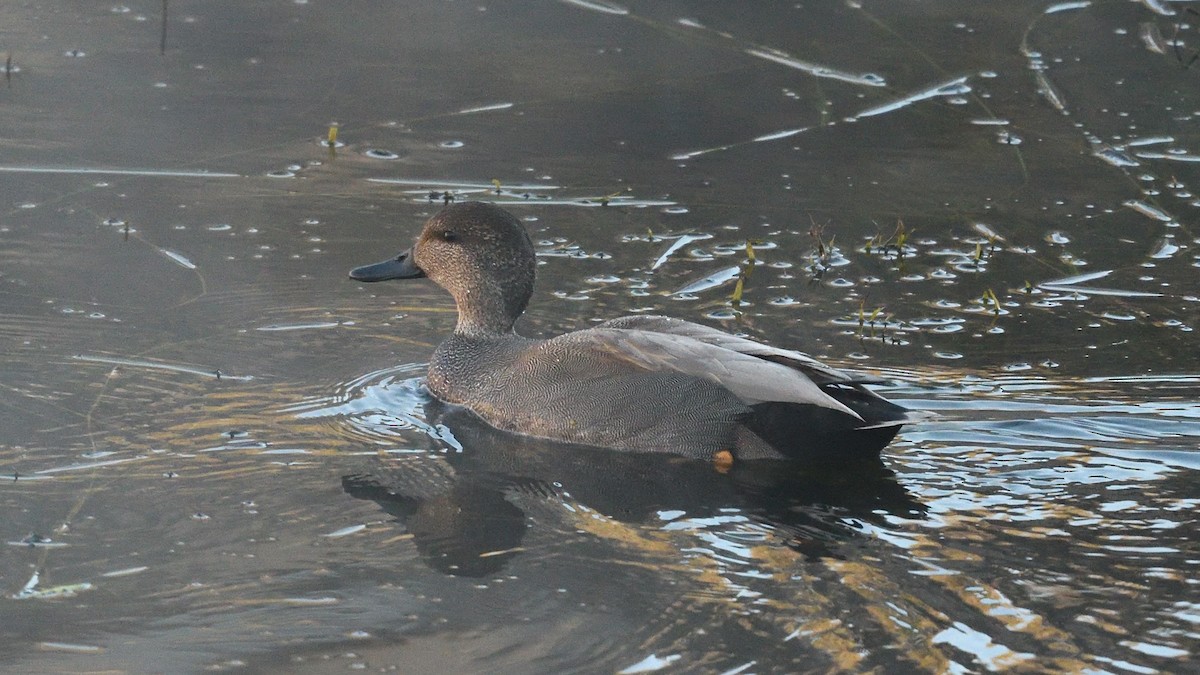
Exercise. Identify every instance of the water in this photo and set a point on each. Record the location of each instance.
(216, 452)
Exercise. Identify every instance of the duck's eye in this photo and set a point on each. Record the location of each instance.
(448, 235)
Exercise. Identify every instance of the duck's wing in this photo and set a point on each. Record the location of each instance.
(818, 372)
(843, 386)
(750, 378)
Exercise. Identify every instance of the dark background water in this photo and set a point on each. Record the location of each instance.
(216, 449)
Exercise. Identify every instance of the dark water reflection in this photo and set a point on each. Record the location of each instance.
(209, 459)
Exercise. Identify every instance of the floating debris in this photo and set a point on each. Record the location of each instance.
(953, 87)
(128, 571)
(1150, 140)
(679, 243)
(345, 531)
(484, 108)
(38, 541)
(165, 173)
(1158, 8)
(599, 6)
(650, 664)
(817, 70)
(1170, 156)
(32, 592)
(1066, 6)
(1152, 38)
(718, 278)
(154, 365)
(1115, 156)
(276, 327)
(1148, 211)
(70, 647)
(459, 185)
(88, 465)
(178, 259)
(1071, 285)
(1050, 92)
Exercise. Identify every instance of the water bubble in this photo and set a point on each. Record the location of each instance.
(451, 144)
(377, 153)
(723, 314)
(281, 173)
(947, 355)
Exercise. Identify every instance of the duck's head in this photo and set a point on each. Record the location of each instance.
(477, 251)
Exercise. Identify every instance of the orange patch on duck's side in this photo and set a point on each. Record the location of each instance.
(722, 461)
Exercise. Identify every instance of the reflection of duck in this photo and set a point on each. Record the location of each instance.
(646, 383)
(462, 507)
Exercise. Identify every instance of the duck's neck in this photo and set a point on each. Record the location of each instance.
(484, 314)
(490, 302)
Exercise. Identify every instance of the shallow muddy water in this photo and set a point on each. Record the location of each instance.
(216, 452)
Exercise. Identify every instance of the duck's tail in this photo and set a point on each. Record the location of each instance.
(816, 434)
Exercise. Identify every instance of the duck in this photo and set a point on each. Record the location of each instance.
(639, 383)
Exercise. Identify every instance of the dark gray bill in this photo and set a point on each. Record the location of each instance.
(400, 267)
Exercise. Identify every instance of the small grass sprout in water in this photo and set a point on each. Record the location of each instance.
(896, 241)
(990, 299)
(824, 252)
(747, 268)
(873, 320)
(609, 197)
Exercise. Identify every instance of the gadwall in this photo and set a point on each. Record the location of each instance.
(641, 383)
